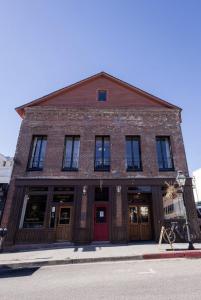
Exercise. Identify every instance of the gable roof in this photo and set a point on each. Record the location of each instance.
(20, 109)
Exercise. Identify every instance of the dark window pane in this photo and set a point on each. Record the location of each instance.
(165, 161)
(71, 153)
(100, 215)
(133, 157)
(133, 218)
(102, 95)
(102, 194)
(76, 151)
(38, 189)
(102, 153)
(38, 152)
(68, 152)
(63, 189)
(63, 198)
(35, 212)
(64, 217)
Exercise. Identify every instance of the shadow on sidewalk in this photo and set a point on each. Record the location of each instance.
(21, 272)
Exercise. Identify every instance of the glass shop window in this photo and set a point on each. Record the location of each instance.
(38, 189)
(35, 211)
(63, 198)
(63, 189)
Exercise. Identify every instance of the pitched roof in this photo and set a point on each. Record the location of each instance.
(20, 109)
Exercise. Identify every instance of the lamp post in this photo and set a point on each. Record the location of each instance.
(181, 180)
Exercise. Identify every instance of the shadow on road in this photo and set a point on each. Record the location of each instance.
(9, 273)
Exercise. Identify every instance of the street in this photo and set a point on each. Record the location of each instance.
(156, 279)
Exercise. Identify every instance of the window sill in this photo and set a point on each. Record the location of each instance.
(69, 170)
(34, 169)
(167, 170)
(102, 170)
(134, 170)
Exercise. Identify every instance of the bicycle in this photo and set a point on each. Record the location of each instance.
(170, 233)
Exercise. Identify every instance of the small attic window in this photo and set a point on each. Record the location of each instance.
(102, 95)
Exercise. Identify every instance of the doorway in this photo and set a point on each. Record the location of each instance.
(64, 223)
(101, 222)
(139, 222)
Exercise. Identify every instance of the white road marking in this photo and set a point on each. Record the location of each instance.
(151, 271)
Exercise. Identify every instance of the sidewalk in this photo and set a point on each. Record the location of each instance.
(64, 253)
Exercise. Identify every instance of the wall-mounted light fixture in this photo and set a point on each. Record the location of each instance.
(84, 190)
(118, 188)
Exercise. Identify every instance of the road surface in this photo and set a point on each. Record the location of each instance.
(147, 280)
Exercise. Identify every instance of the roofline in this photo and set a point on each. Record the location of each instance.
(20, 109)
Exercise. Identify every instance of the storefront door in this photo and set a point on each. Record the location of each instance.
(139, 217)
(64, 223)
(101, 222)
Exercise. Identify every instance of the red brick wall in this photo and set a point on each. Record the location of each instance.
(86, 95)
(124, 113)
(117, 123)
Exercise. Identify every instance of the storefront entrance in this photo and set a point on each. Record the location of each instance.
(101, 222)
(64, 223)
(139, 222)
(139, 214)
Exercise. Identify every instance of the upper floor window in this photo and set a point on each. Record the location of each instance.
(102, 95)
(133, 153)
(37, 156)
(165, 161)
(71, 153)
(102, 153)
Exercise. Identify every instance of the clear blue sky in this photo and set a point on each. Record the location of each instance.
(153, 44)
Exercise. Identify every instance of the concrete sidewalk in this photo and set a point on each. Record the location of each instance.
(64, 253)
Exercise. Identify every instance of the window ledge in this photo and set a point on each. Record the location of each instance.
(34, 169)
(69, 170)
(134, 170)
(167, 170)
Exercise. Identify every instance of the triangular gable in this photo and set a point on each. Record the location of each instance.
(83, 93)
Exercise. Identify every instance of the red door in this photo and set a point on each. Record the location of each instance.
(101, 224)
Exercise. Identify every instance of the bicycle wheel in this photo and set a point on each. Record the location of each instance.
(169, 235)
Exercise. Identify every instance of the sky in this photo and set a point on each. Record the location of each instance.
(152, 44)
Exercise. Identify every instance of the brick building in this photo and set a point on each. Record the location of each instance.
(6, 164)
(91, 163)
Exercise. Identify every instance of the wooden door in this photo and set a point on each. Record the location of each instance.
(64, 223)
(145, 222)
(101, 222)
(139, 225)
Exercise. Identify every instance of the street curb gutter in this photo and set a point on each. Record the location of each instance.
(38, 264)
(43, 263)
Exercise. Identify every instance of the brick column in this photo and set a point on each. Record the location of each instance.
(118, 206)
(83, 213)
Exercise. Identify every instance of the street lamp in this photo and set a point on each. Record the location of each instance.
(181, 180)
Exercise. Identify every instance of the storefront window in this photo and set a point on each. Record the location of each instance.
(35, 211)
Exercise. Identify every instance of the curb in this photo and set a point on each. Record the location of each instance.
(179, 254)
(37, 264)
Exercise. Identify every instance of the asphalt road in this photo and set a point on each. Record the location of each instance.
(156, 279)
